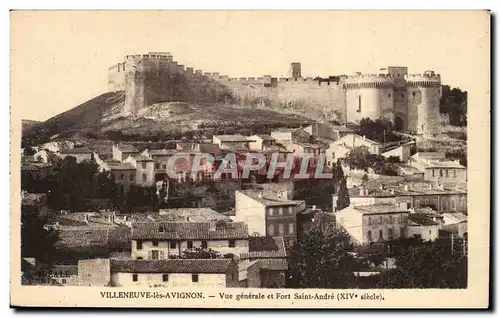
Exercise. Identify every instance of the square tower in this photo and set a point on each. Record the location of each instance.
(295, 70)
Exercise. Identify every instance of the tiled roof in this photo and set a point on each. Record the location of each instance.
(273, 264)
(189, 215)
(420, 219)
(126, 148)
(270, 201)
(62, 270)
(266, 137)
(79, 150)
(194, 266)
(341, 129)
(96, 237)
(121, 166)
(379, 208)
(142, 158)
(232, 138)
(190, 231)
(265, 247)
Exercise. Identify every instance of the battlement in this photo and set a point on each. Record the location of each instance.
(368, 81)
(427, 76)
(162, 56)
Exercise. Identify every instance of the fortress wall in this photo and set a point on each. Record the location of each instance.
(116, 77)
(369, 103)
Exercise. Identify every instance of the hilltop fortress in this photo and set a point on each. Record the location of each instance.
(410, 101)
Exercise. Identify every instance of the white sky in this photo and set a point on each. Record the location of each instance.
(60, 59)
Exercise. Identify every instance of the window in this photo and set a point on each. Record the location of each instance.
(291, 228)
(430, 232)
(139, 245)
(190, 244)
(390, 219)
(414, 94)
(155, 254)
(232, 243)
(281, 210)
(369, 235)
(433, 174)
(161, 229)
(359, 104)
(194, 278)
(155, 243)
(402, 95)
(144, 177)
(204, 244)
(270, 230)
(440, 172)
(64, 281)
(135, 277)
(380, 219)
(380, 235)
(173, 244)
(281, 229)
(157, 166)
(454, 173)
(271, 211)
(121, 176)
(139, 258)
(143, 165)
(165, 277)
(132, 177)
(389, 95)
(390, 233)
(446, 173)
(369, 221)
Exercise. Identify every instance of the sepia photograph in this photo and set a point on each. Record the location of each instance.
(250, 158)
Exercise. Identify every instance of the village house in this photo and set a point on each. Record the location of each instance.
(80, 154)
(340, 147)
(374, 223)
(326, 131)
(144, 170)
(437, 168)
(174, 273)
(271, 267)
(36, 273)
(267, 216)
(122, 151)
(420, 224)
(409, 195)
(289, 135)
(232, 142)
(35, 171)
(401, 150)
(159, 240)
(455, 223)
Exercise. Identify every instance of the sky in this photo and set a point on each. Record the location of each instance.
(59, 59)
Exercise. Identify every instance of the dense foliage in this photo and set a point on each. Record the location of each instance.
(321, 260)
(380, 130)
(454, 102)
(361, 158)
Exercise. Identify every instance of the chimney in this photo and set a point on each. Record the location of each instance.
(86, 218)
(112, 218)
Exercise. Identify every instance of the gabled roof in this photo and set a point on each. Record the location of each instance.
(121, 166)
(142, 158)
(189, 231)
(273, 264)
(264, 137)
(265, 247)
(232, 138)
(420, 219)
(94, 238)
(379, 209)
(194, 266)
(126, 148)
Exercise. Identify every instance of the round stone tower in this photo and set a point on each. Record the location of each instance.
(369, 96)
(424, 94)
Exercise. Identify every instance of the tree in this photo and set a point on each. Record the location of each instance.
(321, 260)
(28, 151)
(437, 264)
(343, 199)
(454, 102)
(199, 253)
(380, 130)
(36, 241)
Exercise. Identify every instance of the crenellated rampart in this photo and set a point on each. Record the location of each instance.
(156, 77)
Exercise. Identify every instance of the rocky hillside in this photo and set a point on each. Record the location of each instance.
(102, 116)
(27, 124)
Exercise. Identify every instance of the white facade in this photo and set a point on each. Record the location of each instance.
(166, 248)
(427, 232)
(173, 280)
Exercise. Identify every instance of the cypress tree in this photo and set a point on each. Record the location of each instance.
(343, 199)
